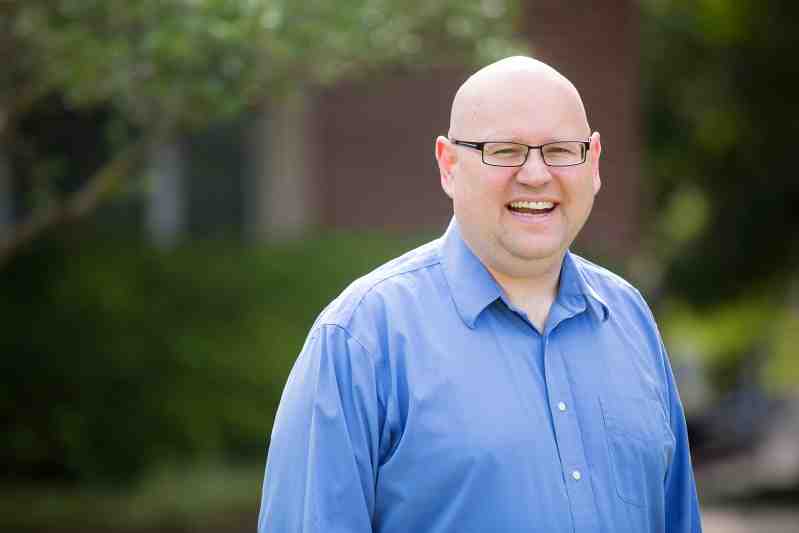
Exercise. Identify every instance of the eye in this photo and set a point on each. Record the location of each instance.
(509, 150)
(563, 153)
(561, 149)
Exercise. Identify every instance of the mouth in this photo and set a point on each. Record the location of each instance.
(531, 208)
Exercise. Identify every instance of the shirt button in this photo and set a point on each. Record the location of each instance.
(577, 475)
(561, 406)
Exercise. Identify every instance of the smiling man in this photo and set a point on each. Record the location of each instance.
(491, 380)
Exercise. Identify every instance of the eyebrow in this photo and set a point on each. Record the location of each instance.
(506, 136)
(519, 140)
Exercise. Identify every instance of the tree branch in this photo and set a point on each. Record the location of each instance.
(80, 203)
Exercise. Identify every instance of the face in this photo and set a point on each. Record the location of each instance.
(529, 110)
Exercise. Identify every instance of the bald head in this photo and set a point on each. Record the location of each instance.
(524, 101)
(519, 87)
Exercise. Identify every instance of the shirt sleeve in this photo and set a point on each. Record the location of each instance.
(322, 460)
(682, 504)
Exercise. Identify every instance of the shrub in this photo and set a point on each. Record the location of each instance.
(118, 357)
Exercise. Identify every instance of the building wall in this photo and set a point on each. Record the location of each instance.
(375, 164)
(595, 44)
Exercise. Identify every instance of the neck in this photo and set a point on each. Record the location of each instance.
(533, 294)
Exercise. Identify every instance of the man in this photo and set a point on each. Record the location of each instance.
(489, 381)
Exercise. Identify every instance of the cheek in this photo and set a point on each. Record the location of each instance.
(481, 191)
(487, 188)
(474, 203)
(579, 190)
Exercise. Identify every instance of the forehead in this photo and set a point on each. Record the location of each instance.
(519, 105)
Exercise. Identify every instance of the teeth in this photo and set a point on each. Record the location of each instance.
(532, 205)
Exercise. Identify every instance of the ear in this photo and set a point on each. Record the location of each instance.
(447, 158)
(594, 152)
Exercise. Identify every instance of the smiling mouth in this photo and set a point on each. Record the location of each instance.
(531, 208)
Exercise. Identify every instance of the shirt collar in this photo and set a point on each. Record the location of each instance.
(574, 287)
(473, 287)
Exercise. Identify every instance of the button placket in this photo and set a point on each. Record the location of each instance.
(568, 436)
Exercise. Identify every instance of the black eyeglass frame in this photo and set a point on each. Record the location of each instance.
(480, 145)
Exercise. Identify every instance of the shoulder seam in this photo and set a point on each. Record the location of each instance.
(350, 335)
(431, 262)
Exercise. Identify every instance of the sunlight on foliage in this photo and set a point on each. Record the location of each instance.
(685, 216)
(189, 61)
(782, 369)
(756, 332)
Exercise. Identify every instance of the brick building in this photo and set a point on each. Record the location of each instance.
(374, 164)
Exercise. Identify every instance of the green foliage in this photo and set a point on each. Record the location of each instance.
(181, 61)
(781, 371)
(719, 90)
(118, 358)
(756, 333)
(162, 68)
(719, 99)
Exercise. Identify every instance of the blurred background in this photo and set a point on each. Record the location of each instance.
(185, 184)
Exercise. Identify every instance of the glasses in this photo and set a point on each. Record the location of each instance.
(510, 154)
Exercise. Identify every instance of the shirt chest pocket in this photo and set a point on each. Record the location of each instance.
(640, 446)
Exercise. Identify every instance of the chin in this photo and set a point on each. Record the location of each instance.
(534, 251)
(539, 255)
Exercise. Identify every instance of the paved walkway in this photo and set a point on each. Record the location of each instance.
(724, 520)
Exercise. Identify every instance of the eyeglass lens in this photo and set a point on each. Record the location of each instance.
(562, 153)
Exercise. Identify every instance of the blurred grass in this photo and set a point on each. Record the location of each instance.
(171, 497)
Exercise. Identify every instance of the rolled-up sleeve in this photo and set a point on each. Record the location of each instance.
(323, 452)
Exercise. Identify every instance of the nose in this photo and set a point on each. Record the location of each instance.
(534, 172)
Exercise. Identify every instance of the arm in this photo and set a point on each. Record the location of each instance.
(321, 467)
(682, 505)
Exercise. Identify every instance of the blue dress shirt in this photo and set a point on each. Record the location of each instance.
(423, 401)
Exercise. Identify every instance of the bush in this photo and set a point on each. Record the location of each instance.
(118, 358)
